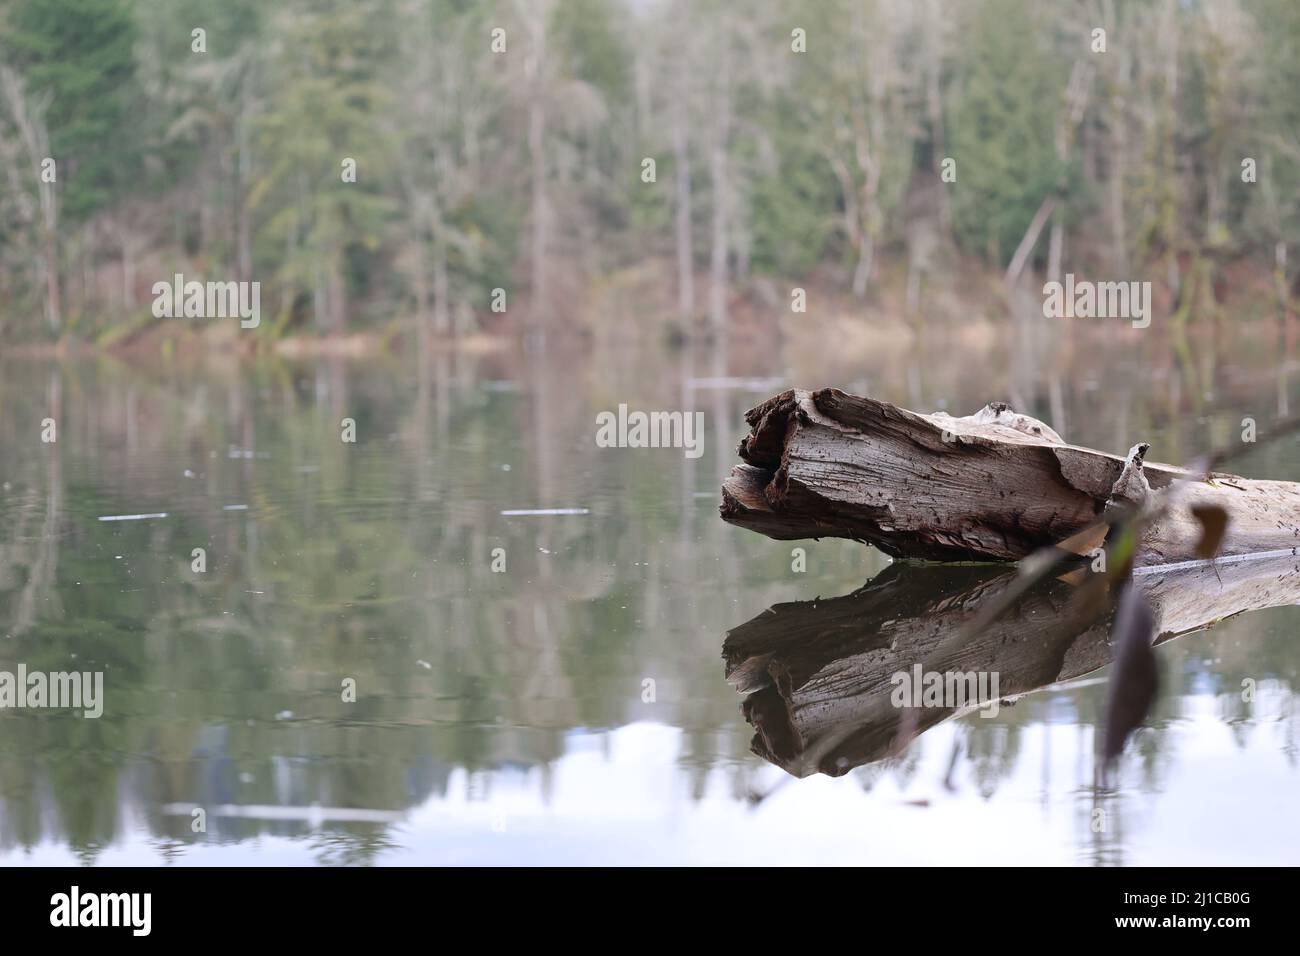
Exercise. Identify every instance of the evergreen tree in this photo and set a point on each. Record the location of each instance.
(1003, 114)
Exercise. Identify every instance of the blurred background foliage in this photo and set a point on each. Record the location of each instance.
(522, 169)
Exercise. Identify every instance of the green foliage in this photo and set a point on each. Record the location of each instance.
(1274, 136)
(1002, 119)
(228, 162)
(793, 207)
(324, 111)
(593, 46)
(80, 53)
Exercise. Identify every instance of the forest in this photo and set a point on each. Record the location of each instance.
(432, 170)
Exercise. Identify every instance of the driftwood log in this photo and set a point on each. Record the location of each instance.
(817, 674)
(995, 485)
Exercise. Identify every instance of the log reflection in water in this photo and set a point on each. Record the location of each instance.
(817, 674)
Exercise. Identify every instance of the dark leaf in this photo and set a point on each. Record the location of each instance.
(1086, 541)
(1091, 602)
(1133, 678)
(1214, 522)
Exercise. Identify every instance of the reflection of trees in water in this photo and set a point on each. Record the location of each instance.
(34, 547)
(370, 558)
(350, 561)
(993, 752)
(350, 847)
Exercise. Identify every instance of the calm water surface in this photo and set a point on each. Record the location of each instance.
(503, 717)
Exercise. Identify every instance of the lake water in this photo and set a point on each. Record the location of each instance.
(508, 716)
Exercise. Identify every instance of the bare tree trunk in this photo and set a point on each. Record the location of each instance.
(43, 573)
(685, 244)
(127, 242)
(536, 140)
(1115, 194)
(441, 283)
(421, 305)
(1030, 239)
(53, 306)
(862, 273)
(1279, 279)
(242, 230)
(719, 177)
(718, 252)
(1055, 249)
(320, 300)
(86, 288)
(536, 69)
(338, 295)
(29, 117)
(912, 300)
(1116, 160)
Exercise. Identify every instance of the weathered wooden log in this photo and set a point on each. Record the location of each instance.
(995, 485)
(819, 675)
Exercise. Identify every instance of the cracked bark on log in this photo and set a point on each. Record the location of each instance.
(995, 485)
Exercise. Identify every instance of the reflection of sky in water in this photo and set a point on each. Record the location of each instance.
(618, 798)
(475, 686)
